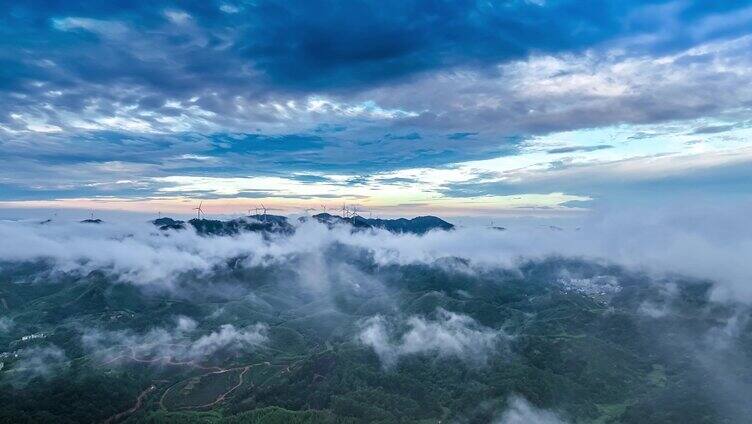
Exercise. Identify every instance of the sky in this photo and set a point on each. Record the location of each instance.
(456, 108)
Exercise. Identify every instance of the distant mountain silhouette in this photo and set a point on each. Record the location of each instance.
(169, 224)
(280, 225)
(215, 227)
(268, 218)
(255, 223)
(417, 225)
(92, 221)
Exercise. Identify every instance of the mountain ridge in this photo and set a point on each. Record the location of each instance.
(279, 224)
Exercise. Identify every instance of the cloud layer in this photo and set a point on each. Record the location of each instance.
(172, 345)
(126, 102)
(448, 335)
(520, 411)
(706, 243)
(37, 362)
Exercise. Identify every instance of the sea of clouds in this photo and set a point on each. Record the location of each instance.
(712, 244)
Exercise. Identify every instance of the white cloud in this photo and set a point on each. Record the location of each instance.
(449, 335)
(44, 128)
(520, 411)
(38, 361)
(653, 310)
(696, 241)
(228, 8)
(228, 337)
(178, 17)
(548, 93)
(6, 324)
(172, 344)
(110, 29)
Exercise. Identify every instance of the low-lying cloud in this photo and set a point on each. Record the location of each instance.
(5, 324)
(448, 335)
(520, 411)
(172, 344)
(36, 362)
(713, 244)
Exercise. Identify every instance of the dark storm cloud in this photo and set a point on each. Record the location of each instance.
(318, 44)
(309, 46)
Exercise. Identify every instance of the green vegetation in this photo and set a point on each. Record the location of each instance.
(202, 391)
(592, 359)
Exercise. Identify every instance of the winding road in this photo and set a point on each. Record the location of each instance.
(222, 396)
(139, 402)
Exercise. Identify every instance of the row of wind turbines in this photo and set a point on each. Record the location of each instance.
(350, 211)
(347, 211)
(200, 211)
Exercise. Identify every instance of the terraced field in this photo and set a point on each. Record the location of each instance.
(204, 390)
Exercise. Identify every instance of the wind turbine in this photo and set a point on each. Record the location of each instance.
(324, 208)
(264, 209)
(345, 211)
(91, 214)
(199, 211)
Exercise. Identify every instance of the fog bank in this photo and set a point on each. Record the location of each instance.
(705, 243)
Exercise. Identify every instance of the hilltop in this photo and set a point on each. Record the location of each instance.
(253, 223)
(281, 225)
(417, 225)
(215, 227)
